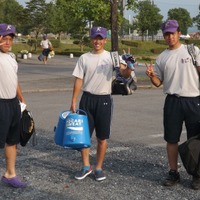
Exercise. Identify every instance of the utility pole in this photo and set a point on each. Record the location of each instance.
(114, 24)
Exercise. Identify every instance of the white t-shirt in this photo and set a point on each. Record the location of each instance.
(45, 44)
(177, 72)
(8, 76)
(96, 72)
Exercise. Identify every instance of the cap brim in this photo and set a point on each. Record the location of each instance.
(98, 34)
(8, 33)
(170, 30)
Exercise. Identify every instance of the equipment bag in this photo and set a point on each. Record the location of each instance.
(189, 152)
(27, 128)
(124, 88)
(120, 85)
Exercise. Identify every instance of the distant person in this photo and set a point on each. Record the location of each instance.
(10, 111)
(93, 75)
(180, 78)
(46, 47)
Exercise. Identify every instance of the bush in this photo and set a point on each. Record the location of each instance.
(149, 59)
(131, 43)
(161, 42)
(76, 42)
(158, 50)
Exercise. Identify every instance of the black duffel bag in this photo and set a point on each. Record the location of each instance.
(123, 87)
(27, 128)
(189, 152)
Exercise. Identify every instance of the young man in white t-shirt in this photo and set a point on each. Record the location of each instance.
(180, 78)
(46, 47)
(10, 111)
(93, 75)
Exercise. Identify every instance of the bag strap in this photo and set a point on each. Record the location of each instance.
(115, 59)
(191, 51)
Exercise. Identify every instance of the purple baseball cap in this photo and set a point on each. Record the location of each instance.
(169, 26)
(7, 29)
(95, 31)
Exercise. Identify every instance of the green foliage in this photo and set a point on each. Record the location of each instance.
(143, 48)
(196, 42)
(55, 43)
(196, 20)
(147, 50)
(16, 48)
(131, 43)
(183, 18)
(10, 12)
(36, 16)
(158, 50)
(148, 18)
(161, 42)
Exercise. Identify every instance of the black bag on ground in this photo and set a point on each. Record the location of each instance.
(189, 152)
(27, 128)
(123, 88)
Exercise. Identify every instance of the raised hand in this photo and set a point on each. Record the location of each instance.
(1, 43)
(129, 59)
(150, 71)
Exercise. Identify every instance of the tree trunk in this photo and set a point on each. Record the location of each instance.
(114, 25)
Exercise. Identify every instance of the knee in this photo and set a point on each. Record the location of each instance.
(101, 141)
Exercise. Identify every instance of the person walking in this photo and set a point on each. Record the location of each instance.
(46, 47)
(180, 78)
(10, 111)
(93, 75)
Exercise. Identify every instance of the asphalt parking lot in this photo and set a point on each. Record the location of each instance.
(135, 163)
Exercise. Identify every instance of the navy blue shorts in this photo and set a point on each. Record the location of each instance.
(179, 110)
(45, 52)
(99, 111)
(10, 114)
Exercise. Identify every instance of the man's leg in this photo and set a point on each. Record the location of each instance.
(173, 176)
(45, 60)
(10, 154)
(86, 168)
(10, 174)
(101, 151)
(85, 156)
(172, 153)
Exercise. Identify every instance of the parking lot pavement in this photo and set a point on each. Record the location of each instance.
(135, 163)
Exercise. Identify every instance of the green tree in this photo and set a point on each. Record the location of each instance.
(36, 18)
(183, 18)
(80, 15)
(124, 27)
(131, 4)
(57, 23)
(10, 13)
(196, 19)
(36, 13)
(148, 19)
